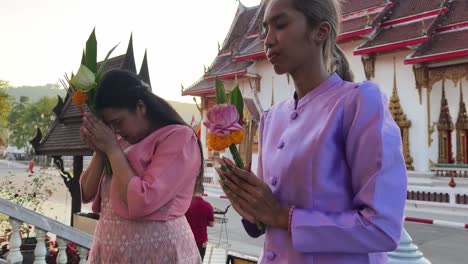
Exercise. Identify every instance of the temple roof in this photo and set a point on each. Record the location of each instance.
(239, 27)
(223, 65)
(63, 138)
(407, 23)
(255, 50)
(352, 6)
(360, 17)
(450, 40)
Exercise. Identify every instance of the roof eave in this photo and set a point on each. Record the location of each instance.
(391, 46)
(437, 57)
(354, 34)
(252, 56)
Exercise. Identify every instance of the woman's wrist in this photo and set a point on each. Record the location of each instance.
(282, 219)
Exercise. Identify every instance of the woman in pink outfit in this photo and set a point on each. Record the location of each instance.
(331, 181)
(155, 162)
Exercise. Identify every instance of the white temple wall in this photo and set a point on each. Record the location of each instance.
(270, 80)
(354, 61)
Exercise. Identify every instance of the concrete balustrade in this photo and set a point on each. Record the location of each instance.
(42, 225)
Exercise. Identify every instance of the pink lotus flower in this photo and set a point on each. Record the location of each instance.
(222, 119)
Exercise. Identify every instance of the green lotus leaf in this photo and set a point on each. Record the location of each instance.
(84, 79)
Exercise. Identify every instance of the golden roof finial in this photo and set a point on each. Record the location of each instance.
(445, 120)
(395, 106)
(462, 120)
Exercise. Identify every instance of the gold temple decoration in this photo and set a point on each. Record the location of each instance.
(430, 125)
(421, 75)
(368, 61)
(427, 77)
(454, 73)
(400, 118)
(445, 128)
(272, 91)
(247, 145)
(462, 131)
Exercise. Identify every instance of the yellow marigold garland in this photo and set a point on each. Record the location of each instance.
(220, 143)
(79, 97)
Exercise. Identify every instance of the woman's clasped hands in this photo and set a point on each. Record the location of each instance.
(97, 135)
(251, 197)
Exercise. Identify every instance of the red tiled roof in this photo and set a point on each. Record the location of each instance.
(256, 23)
(356, 23)
(407, 23)
(238, 29)
(254, 51)
(451, 39)
(233, 68)
(399, 36)
(458, 12)
(443, 46)
(223, 66)
(219, 63)
(351, 6)
(203, 86)
(356, 27)
(404, 8)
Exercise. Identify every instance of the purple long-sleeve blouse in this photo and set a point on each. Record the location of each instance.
(337, 158)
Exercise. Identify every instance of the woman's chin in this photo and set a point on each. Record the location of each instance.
(279, 70)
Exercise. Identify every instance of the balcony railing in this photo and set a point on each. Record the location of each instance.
(42, 225)
(450, 170)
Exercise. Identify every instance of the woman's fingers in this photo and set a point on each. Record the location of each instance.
(237, 203)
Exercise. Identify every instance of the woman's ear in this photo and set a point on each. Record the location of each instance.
(141, 107)
(322, 32)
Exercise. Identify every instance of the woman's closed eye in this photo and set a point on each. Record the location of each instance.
(114, 124)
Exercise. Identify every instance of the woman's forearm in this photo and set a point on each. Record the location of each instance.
(92, 176)
(122, 173)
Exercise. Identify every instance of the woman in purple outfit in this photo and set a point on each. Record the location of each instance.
(331, 179)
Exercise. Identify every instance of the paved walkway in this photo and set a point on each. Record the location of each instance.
(441, 245)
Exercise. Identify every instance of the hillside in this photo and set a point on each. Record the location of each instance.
(186, 110)
(36, 92)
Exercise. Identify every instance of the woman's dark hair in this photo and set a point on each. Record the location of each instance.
(317, 11)
(123, 89)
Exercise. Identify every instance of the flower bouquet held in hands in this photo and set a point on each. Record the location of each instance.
(82, 87)
(224, 122)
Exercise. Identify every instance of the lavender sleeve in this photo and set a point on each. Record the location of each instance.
(373, 152)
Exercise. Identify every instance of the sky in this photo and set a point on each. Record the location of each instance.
(40, 40)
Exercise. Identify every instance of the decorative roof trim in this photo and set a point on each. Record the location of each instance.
(391, 46)
(355, 33)
(453, 27)
(225, 53)
(438, 56)
(414, 18)
(228, 75)
(252, 56)
(365, 12)
(199, 92)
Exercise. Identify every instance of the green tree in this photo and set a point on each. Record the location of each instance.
(26, 117)
(5, 105)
